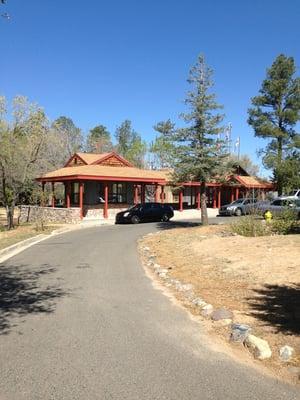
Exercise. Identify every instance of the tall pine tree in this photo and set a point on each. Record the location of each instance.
(199, 154)
(275, 113)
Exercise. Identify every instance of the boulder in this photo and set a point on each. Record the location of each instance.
(286, 353)
(239, 332)
(221, 313)
(199, 302)
(259, 347)
(207, 310)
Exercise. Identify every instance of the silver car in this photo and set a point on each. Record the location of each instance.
(278, 206)
(238, 207)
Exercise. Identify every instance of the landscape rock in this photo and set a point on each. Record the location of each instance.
(239, 332)
(207, 310)
(162, 274)
(146, 248)
(185, 287)
(259, 347)
(199, 302)
(286, 353)
(221, 313)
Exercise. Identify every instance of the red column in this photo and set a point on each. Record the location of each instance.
(68, 196)
(81, 199)
(231, 195)
(237, 193)
(105, 209)
(156, 193)
(219, 197)
(136, 194)
(198, 199)
(214, 197)
(143, 193)
(53, 197)
(162, 195)
(181, 200)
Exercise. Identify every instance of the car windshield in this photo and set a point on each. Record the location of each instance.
(136, 207)
(237, 202)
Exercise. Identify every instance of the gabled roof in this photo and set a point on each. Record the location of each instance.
(252, 182)
(98, 158)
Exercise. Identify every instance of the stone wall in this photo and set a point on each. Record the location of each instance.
(49, 214)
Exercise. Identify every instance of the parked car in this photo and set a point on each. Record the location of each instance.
(278, 206)
(294, 194)
(146, 212)
(238, 207)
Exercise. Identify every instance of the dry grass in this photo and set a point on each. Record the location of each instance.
(257, 278)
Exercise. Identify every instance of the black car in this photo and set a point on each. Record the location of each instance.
(146, 212)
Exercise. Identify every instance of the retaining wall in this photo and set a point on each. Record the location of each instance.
(49, 214)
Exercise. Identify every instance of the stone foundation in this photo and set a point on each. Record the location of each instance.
(49, 214)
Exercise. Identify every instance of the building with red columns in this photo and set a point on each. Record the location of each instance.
(98, 183)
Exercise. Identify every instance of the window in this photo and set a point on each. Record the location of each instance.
(75, 192)
(117, 193)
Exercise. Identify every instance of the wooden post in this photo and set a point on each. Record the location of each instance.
(136, 194)
(68, 196)
(105, 209)
(214, 197)
(162, 194)
(181, 200)
(219, 197)
(237, 193)
(231, 195)
(198, 199)
(81, 199)
(156, 193)
(53, 197)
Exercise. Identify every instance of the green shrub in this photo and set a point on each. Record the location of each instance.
(250, 226)
(284, 223)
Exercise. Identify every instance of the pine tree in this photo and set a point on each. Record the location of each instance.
(99, 140)
(199, 154)
(275, 113)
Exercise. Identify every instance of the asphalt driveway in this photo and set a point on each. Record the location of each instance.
(80, 320)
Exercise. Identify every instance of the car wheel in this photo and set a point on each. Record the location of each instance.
(165, 218)
(135, 219)
(238, 212)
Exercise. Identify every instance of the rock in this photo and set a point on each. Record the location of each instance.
(162, 274)
(189, 295)
(239, 332)
(221, 313)
(185, 287)
(146, 248)
(259, 347)
(199, 302)
(207, 310)
(286, 353)
(222, 322)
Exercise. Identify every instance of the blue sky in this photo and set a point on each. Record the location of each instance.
(100, 62)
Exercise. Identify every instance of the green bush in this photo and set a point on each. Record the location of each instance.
(284, 223)
(250, 226)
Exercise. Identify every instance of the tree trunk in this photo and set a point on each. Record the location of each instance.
(279, 170)
(10, 216)
(204, 216)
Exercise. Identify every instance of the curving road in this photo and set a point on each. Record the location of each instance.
(80, 320)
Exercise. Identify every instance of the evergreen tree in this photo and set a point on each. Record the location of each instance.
(69, 134)
(130, 144)
(199, 154)
(275, 113)
(99, 140)
(162, 148)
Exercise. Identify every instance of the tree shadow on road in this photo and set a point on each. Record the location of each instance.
(176, 224)
(22, 292)
(278, 306)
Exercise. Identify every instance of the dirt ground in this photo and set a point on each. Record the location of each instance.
(256, 278)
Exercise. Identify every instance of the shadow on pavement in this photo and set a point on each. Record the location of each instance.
(176, 224)
(278, 306)
(21, 293)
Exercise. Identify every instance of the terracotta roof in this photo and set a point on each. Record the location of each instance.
(107, 171)
(251, 181)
